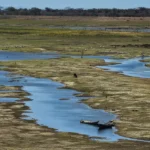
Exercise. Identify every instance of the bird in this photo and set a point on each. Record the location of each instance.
(75, 75)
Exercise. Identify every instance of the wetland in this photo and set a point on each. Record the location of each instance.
(125, 96)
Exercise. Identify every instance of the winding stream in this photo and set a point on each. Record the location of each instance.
(55, 107)
(10, 56)
(129, 67)
(119, 29)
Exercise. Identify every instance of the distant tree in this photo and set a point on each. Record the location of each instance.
(48, 9)
(1, 8)
(68, 11)
(11, 11)
(23, 11)
(35, 11)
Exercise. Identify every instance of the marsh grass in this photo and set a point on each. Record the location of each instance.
(73, 41)
(32, 34)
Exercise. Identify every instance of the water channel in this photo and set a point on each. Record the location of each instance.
(130, 67)
(118, 29)
(59, 108)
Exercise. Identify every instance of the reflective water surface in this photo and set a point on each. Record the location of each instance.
(64, 115)
(120, 29)
(130, 67)
(10, 56)
(59, 108)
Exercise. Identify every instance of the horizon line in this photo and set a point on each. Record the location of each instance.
(68, 7)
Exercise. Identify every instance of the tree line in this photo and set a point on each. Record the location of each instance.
(135, 12)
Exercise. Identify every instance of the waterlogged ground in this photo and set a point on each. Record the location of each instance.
(59, 108)
(77, 110)
(127, 97)
(54, 107)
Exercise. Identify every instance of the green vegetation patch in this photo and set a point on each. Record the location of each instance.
(117, 44)
(32, 34)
